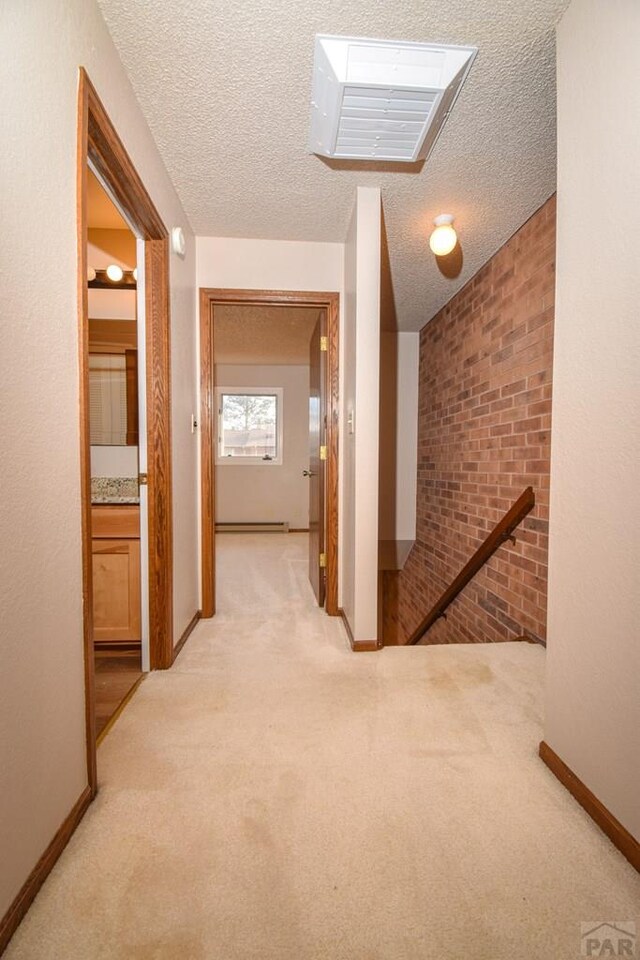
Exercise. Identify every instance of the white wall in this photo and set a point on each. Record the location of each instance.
(593, 659)
(273, 492)
(42, 727)
(361, 401)
(399, 356)
(109, 461)
(278, 265)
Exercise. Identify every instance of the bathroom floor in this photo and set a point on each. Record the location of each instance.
(116, 675)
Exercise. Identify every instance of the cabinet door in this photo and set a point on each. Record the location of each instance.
(116, 590)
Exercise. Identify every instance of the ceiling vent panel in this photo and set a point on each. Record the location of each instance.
(382, 100)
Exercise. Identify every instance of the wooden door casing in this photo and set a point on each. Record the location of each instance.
(316, 469)
(210, 297)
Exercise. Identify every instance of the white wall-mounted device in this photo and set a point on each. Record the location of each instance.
(178, 243)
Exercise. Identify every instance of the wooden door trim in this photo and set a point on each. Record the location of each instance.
(207, 473)
(209, 297)
(99, 143)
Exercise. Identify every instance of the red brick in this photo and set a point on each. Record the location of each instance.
(484, 435)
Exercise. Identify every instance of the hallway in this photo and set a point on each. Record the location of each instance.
(275, 796)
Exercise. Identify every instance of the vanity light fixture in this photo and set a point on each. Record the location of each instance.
(115, 273)
(444, 238)
(101, 279)
(134, 274)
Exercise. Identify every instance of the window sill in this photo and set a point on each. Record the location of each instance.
(247, 462)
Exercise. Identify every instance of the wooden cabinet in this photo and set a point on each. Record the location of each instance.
(116, 573)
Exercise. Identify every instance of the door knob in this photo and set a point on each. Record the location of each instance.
(308, 473)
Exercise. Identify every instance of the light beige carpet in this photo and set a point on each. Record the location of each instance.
(277, 796)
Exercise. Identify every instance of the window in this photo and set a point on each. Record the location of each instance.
(249, 425)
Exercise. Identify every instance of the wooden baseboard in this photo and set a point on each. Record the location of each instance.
(358, 646)
(186, 634)
(619, 835)
(365, 646)
(11, 920)
(525, 639)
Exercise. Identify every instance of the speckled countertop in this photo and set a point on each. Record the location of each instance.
(114, 490)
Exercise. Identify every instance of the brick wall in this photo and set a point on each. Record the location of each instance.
(483, 436)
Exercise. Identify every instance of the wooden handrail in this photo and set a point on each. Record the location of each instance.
(503, 531)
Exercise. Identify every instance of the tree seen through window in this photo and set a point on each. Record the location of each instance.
(248, 425)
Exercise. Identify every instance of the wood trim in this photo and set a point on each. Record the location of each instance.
(186, 633)
(619, 835)
(114, 166)
(501, 532)
(208, 298)
(131, 373)
(207, 447)
(11, 920)
(333, 427)
(358, 646)
(366, 646)
(85, 434)
(99, 143)
(160, 516)
(298, 529)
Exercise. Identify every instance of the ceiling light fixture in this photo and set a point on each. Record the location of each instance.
(444, 238)
(115, 273)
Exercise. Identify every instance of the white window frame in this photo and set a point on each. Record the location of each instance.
(278, 393)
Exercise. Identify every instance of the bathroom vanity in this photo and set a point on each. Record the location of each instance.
(115, 531)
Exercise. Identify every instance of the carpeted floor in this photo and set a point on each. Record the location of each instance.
(276, 797)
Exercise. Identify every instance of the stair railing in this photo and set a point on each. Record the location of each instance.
(501, 532)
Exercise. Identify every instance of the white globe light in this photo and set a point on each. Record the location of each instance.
(444, 238)
(91, 274)
(135, 273)
(115, 273)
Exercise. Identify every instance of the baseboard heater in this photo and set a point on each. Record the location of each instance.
(253, 527)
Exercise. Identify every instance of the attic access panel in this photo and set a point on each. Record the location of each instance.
(383, 99)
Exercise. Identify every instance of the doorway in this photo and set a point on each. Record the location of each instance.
(116, 407)
(100, 149)
(321, 457)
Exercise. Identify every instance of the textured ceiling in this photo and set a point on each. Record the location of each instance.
(225, 89)
(271, 335)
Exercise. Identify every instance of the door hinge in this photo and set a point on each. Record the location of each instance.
(324, 344)
(323, 559)
(323, 453)
(143, 479)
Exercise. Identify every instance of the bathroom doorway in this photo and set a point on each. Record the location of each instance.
(101, 152)
(116, 402)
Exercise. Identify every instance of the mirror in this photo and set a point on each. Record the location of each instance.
(113, 398)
